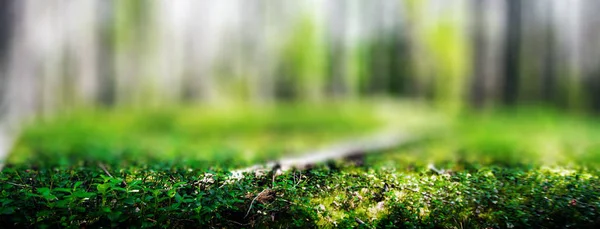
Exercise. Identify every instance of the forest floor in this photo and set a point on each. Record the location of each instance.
(518, 168)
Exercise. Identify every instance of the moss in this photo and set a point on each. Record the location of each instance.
(463, 178)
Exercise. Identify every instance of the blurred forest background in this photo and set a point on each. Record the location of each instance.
(147, 113)
(61, 55)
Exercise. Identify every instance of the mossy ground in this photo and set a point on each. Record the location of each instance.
(520, 169)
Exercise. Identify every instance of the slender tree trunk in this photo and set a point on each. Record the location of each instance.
(337, 49)
(549, 71)
(6, 22)
(477, 83)
(513, 52)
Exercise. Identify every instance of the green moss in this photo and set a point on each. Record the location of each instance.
(482, 171)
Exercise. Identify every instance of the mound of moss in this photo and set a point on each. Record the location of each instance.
(524, 169)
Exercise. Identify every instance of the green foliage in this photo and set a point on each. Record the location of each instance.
(487, 171)
(177, 196)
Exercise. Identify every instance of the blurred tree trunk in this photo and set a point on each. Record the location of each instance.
(550, 68)
(337, 47)
(23, 81)
(478, 39)
(487, 49)
(6, 26)
(512, 54)
(6, 22)
(591, 48)
(106, 72)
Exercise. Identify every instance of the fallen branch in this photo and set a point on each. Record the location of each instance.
(348, 149)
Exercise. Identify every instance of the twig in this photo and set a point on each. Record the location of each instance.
(103, 167)
(238, 223)
(432, 168)
(361, 222)
(20, 185)
(299, 178)
(251, 203)
(358, 220)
